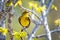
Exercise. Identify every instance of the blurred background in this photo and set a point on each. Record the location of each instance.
(52, 16)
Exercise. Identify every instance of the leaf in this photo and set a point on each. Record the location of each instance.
(16, 35)
(23, 34)
(3, 30)
(54, 7)
(19, 2)
(41, 8)
(57, 22)
(33, 4)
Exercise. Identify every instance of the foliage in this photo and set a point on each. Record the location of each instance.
(57, 22)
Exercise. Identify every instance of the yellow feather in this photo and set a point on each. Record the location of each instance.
(24, 19)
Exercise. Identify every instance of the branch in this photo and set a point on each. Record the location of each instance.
(10, 16)
(36, 25)
(49, 5)
(33, 32)
(45, 25)
(29, 11)
(2, 19)
(44, 13)
(42, 35)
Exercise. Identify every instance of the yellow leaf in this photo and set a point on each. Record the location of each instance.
(54, 7)
(44, 7)
(57, 22)
(19, 2)
(33, 4)
(23, 34)
(40, 8)
(30, 4)
(0, 29)
(16, 35)
(5, 31)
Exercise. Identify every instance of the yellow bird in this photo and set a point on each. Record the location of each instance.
(24, 20)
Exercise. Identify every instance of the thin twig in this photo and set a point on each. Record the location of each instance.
(42, 35)
(2, 18)
(10, 16)
(30, 11)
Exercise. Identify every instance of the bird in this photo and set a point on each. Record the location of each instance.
(24, 19)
